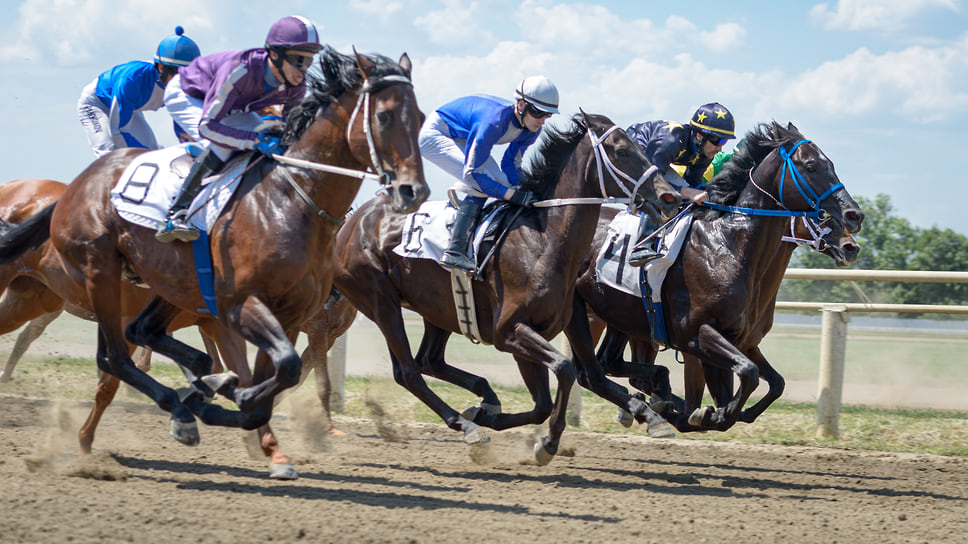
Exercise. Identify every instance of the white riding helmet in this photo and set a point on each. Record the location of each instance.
(540, 92)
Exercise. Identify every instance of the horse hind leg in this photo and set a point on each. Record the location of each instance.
(430, 359)
(31, 332)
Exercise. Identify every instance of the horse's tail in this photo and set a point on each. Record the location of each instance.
(26, 236)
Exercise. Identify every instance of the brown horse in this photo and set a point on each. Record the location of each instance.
(522, 295)
(719, 294)
(271, 247)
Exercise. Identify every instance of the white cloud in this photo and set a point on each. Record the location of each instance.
(887, 15)
(453, 24)
(382, 9)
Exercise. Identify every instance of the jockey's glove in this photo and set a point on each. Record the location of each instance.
(522, 198)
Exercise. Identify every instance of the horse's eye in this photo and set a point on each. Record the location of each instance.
(383, 118)
(810, 166)
(621, 152)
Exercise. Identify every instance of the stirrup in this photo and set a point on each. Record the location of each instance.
(457, 261)
(642, 257)
(177, 228)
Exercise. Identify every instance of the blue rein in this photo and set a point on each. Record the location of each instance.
(805, 190)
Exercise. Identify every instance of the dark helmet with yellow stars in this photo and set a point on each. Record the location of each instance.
(715, 122)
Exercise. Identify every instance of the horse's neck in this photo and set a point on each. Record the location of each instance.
(574, 224)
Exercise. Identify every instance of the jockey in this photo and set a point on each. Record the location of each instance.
(458, 138)
(111, 106)
(215, 99)
(667, 143)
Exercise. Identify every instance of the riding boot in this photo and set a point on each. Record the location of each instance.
(644, 250)
(176, 225)
(456, 255)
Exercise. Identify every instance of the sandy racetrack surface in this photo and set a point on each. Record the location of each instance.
(419, 483)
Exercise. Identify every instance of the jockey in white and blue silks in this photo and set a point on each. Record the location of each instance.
(459, 136)
(110, 107)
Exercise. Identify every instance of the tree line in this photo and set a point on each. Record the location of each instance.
(888, 242)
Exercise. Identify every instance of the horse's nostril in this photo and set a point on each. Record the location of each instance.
(669, 198)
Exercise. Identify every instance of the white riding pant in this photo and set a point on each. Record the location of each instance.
(96, 121)
(439, 146)
(187, 113)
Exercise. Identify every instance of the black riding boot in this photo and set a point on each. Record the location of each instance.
(176, 226)
(456, 255)
(644, 250)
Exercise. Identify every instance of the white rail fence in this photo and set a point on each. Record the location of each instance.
(833, 337)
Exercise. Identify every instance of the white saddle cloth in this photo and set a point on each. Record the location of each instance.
(426, 232)
(612, 267)
(149, 186)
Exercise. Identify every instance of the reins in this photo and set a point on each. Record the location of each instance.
(381, 176)
(805, 190)
(621, 178)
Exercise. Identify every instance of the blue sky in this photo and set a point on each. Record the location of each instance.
(880, 85)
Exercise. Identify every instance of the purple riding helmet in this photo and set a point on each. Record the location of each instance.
(293, 32)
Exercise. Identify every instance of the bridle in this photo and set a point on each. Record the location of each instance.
(381, 176)
(625, 182)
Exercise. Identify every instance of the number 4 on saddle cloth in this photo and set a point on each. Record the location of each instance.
(612, 267)
(149, 186)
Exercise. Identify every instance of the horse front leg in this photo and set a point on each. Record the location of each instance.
(773, 379)
(714, 349)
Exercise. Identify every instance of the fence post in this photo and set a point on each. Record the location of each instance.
(573, 415)
(336, 367)
(833, 342)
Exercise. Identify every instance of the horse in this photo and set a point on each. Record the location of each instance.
(521, 296)
(719, 294)
(271, 247)
(828, 237)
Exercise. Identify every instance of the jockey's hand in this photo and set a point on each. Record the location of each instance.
(269, 145)
(694, 195)
(522, 198)
(272, 124)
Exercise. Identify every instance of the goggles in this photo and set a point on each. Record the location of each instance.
(535, 112)
(299, 62)
(716, 140)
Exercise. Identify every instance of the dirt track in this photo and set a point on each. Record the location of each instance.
(141, 486)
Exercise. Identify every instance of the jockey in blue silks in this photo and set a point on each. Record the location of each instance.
(459, 136)
(692, 145)
(110, 106)
(215, 99)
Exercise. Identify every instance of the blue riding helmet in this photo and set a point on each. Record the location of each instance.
(177, 50)
(714, 119)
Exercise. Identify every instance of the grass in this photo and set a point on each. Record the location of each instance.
(784, 423)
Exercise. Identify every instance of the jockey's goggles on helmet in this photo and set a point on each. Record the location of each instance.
(535, 112)
(299, 62)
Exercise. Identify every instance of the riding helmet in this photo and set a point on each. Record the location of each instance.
(715, 120)
(293, 32)
(177, 50)
(540, 92)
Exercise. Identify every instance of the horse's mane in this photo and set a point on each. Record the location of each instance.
(726, 187)
(551, 153)
(339, 74)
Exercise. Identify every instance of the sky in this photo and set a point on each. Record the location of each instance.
(880, 85)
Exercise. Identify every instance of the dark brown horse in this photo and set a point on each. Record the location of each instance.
(523, 296)
(719, 294)
(828, 237)
(271, 247)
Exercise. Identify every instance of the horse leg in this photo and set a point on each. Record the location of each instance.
(315, 360)
(31, 332)
(716, 350)
(430, 359)
(772, 378)
(580, 338)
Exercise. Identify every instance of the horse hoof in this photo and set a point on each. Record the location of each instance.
(697, 415)
(541, 455)
(282, 471)
(661, 430)
(625, 418)
(660, 406)
(218, 382)
(186, 433)
(473, 434)
(186, 393)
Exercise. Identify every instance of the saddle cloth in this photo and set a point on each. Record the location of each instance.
(149, 186)
(612, 267)
(426, 232)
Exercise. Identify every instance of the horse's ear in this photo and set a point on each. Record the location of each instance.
(362, 62)
(405, 63)
(584, 116)
(792, 128)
